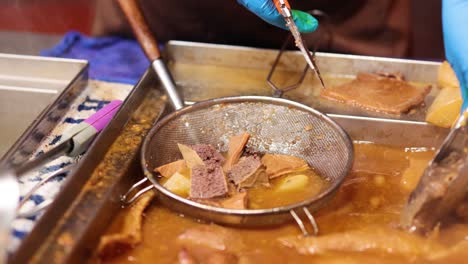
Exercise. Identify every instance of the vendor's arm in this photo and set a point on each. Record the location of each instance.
(455, 26)
(267, 11)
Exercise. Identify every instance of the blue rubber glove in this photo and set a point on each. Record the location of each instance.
(455, 27)
(267, 11)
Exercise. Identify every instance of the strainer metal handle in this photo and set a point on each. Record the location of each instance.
(128, 199)
(301, 224)
(149, 45)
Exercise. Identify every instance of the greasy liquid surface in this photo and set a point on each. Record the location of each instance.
(371, 198)
(206, 81)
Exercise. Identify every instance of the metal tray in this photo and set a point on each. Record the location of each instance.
(35, 92)
(70, 230)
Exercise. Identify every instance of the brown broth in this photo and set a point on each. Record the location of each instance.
(370, 198)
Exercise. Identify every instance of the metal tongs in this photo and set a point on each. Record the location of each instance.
(285, 10)
(444, 184)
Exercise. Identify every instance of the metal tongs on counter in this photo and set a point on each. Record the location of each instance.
(75, 142)
(285, 10)
(444, 185)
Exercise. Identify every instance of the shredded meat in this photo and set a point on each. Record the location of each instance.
(379, 93)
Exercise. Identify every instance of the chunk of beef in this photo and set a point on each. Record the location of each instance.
(378, 93)
(236, 146)
(245, 171)
(277, 164)
(208, 182)
(209, 154)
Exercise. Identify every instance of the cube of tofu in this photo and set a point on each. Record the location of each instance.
(178, 184)
(292, 183)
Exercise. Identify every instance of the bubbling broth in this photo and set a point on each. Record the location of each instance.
(359, 225)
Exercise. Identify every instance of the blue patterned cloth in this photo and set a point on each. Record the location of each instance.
(112, 59)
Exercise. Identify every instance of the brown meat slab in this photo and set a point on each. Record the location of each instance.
(245, 170)
(208, 154)
(277, 164)
(236, 146)
(385, 94)
(167, 170)
(208, 182)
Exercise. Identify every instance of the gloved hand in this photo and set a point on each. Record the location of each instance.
(455, 27)
(267, 11)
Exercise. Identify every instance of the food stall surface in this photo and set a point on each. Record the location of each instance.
(89, 202)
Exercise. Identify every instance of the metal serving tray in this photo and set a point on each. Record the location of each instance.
(35, 92)
(70, 230)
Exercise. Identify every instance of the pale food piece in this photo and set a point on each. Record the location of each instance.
(446, 107)
(278, 164)
(167, 170)
(292, 183)
(446, 76)
(190, 156)
(126, 232)
(178, 184)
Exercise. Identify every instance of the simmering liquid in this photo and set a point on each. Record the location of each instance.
(360, 225)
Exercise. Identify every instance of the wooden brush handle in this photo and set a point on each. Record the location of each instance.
(140, 28)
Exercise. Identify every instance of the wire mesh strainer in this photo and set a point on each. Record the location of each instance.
(275, 126)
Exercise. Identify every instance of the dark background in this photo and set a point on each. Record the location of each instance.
(59, 16)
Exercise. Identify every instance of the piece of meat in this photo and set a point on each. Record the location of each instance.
(190, 156)
(211, 237)
(378, 93)
(277, 164)
(371, 239)
(207, 182)
(245, 171)
(236, 146)
(167, 170)
(125, 233)
(208, 154)
(236, 201)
